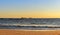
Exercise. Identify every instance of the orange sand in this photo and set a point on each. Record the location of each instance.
(15, 32)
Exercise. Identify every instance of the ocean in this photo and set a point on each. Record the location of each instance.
(30, 23)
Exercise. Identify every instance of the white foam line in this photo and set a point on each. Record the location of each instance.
(29, 25)
(28, 30)
(36, 30)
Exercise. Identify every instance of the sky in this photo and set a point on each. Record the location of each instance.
(30, 8)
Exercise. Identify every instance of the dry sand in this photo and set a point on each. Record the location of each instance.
(22, 32)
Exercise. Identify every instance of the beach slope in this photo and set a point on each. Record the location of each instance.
(22, 32)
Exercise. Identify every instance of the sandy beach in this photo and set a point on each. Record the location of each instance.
(22, 32)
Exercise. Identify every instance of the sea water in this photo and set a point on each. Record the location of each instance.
(30, 23)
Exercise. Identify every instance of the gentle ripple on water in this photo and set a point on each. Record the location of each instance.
(32, 24)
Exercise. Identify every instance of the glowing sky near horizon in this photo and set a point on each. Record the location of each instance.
(30, 8)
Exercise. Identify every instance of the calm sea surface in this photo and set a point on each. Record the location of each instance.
(30, 23)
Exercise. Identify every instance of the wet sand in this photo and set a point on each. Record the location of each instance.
(22, 32)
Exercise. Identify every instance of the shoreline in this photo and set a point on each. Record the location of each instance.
(27, 32)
